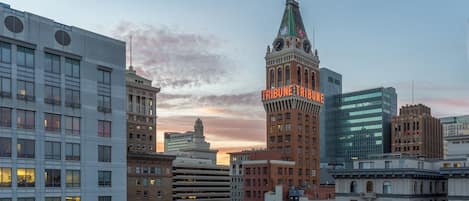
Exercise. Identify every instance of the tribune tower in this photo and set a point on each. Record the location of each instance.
(292, 99)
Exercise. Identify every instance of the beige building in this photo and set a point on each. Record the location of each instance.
(416, 132)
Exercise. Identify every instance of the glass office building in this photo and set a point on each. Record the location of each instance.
(363, 125)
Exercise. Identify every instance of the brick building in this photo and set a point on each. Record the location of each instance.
(415, 132)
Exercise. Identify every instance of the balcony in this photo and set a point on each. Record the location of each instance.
(25, 97)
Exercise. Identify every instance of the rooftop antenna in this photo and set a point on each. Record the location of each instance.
(412, 92)
(131, 67)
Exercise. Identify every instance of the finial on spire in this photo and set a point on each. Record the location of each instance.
(130, 54)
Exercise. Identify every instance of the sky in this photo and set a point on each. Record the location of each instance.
(208, 55)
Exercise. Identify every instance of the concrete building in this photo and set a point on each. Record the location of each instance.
(62, 101)
(391, 178)
(190, 144)
(292, 99)
(330, 83)
(416, 133)
(456, 136)
(236, 173)
(456, 172)
(200, 179)
(364, 124)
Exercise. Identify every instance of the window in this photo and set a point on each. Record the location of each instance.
(26, 199)
(25, 90)
(104, 103)
(104, 77)
(72, 68)
(306, 75)
(387, 164)
(104, 198)
(5, 117)
(53, 199)
(52, 150)
(72, 178)
(369, 187)
(52, 63)
(104, 178)
(72, 151)
(25, 148)
(5, 52)
(313, 80)
(5, 177)
(52, 95)
(387, 187)
(104, 128)
(52, 177)
(5, 147)
(272, 78)
(25, 57)
(72, 125)
(5, 87)
(353, 187)
(5, 199)
(25, 177)
(279, 77)
(74, 198)
(298, 74)
(287, 75)
(52, 122)
(72, 98)
(104, 153)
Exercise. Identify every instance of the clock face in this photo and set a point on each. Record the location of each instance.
(278, 44)
(307, 46)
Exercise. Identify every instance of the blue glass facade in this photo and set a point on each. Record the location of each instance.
(363, 124)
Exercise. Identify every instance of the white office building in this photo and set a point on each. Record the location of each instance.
(62, 109)
(456, 136)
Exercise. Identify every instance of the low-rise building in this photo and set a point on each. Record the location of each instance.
(456, 136)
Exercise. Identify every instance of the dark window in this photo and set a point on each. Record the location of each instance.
(104, 198)
(52, 63)
(52, 95)
(104, 128)
(104, 103)
(287, 75)
(272, 78)
(72, 68)
(26, 177)
(306, 75)
(25, 57)
(329, 79)
(5, 87)
(52, 199)
(51, 122)
(26, 199)
(52, 177)
(13, 24)
(5, 177)
(5, 52)
(52, 150)
(72, 178)
(104, 77)
(298, 74)
(5, 147)
(72, 98)
(104, 153)
(353, 187)
(369, 187)
(25, 90)
(26, 148)
(313, 80)
(25, 119)
(5, 117)
(62, 38)
(72, 151)
(104, 178)
(72, 125)
(279, 77)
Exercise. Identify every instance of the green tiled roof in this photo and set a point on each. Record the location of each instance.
(292, 23)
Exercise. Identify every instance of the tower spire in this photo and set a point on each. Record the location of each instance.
(292, 23)
(130, 54)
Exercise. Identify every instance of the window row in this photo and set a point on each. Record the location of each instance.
(52, 150)
(67, 198)
(26, 177)
(147, 182)
(282, 77)
(146, 170)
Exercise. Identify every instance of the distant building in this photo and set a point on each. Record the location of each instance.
(331, 86)
(416, 133)
(456, 136)
(200, 179)
(59, 85)
(364, 123)
(190, 144)
(236, 174)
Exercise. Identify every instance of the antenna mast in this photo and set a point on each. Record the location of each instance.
(131, 53)
(412, 92)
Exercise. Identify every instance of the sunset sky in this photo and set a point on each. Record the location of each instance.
(208, 55)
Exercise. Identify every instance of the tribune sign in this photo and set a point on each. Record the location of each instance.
(292, 90)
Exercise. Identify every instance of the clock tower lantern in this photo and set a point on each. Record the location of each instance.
(292, 99)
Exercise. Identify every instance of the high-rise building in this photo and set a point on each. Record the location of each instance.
(149, 175)
(62, 134)
(330, 83)
(292, 99)
(190, 144)
(456, 136)
(416, 133)
(364, 123)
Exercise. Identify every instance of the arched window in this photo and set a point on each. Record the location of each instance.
(306, 77)
(369, 187)
(313, 80)
(415, 187)
(298, 74)
(387, 187)
(353, 187)
(431, 187)
(272, 78)
(279, 77)
(421, 188)
(287, 75)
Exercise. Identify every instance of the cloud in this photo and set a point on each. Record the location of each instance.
(174, 59)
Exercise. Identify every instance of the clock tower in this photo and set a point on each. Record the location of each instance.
(292, 99)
